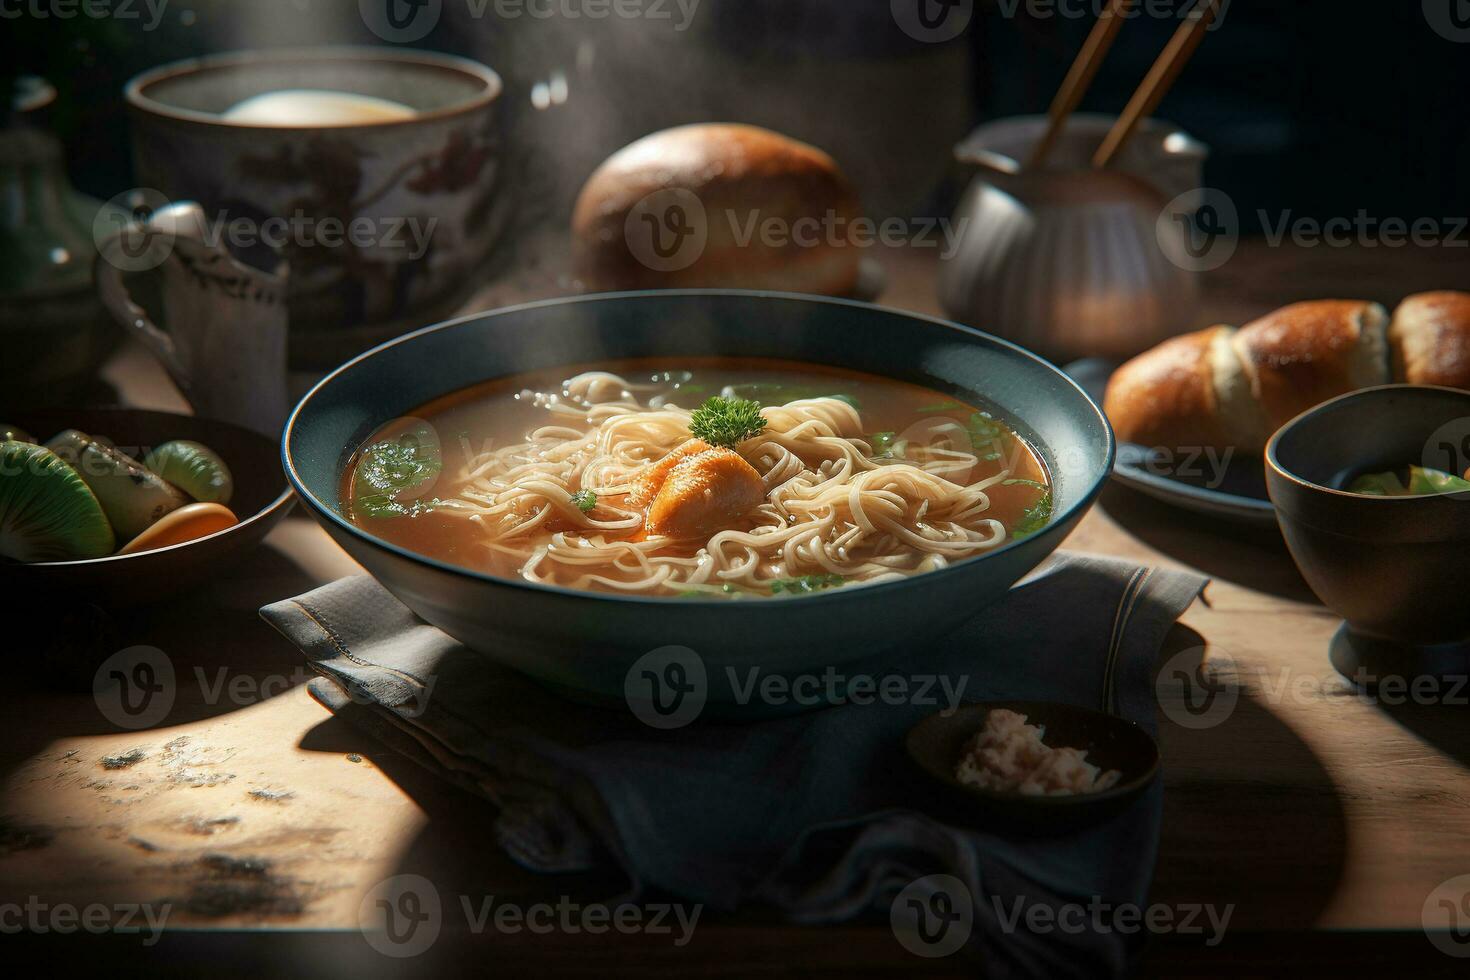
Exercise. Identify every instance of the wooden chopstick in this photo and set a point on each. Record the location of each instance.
(1079, 77)
(1159, 79)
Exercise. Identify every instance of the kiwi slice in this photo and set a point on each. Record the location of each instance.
(195, 469)
(131, 496)
(47, 512)
(14, 433)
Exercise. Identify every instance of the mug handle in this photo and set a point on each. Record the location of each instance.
(115, 297)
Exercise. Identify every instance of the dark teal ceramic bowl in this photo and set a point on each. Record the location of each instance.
(586, 642)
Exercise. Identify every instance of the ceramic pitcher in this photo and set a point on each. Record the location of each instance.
(1068, 260)
(223, 338)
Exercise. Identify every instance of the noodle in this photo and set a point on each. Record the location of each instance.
(832, 507)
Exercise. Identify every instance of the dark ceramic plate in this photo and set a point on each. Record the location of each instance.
(261, 499)
(1111, 742)
(587, 643)
(1233, 492)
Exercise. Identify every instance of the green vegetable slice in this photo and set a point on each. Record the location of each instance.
(47, 512)
(195, 469)
(1378, 485)
(132, 496)
(585, 501)
(1423, 480)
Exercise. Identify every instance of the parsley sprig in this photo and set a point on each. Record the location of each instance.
(727, 422)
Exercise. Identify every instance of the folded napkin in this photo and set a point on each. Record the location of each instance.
(819, 814)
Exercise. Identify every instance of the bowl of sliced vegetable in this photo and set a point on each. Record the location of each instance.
(1372, 491)
(121, 506)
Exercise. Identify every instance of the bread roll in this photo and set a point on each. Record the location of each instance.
(1430, 339)
(740, 178)
(1188, 391)
(1230, 389)
(1306, 353)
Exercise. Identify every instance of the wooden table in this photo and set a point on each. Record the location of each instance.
(1307, 809)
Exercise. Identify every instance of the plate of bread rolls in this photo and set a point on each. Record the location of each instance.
(1193, 414)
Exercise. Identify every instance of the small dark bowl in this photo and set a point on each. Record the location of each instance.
(261, 499)
(936, 743)
(1393, 567)
(585, 642)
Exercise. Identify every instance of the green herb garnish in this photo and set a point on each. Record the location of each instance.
(394, 474)
(585, 501)
(1035, 518)
(805, 584)
(986, 433)
(884, 445)
(726, 589)
(727, 422)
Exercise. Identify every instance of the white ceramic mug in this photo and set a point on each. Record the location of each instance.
(224, 336)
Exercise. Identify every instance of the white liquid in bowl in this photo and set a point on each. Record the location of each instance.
(316, 107)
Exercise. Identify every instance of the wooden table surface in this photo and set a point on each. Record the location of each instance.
(1307, 808)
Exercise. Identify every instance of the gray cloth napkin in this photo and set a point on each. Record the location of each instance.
(819, 813)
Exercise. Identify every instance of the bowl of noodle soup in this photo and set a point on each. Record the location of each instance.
(734, 480)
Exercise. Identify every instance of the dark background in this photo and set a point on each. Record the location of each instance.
(1320, 107)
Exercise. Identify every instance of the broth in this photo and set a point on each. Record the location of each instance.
(535, 477)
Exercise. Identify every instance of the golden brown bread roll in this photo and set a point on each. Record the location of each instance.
(1303, 354)
(1430, 339)
(1225, 388)
(726, 182)
(1188, 391)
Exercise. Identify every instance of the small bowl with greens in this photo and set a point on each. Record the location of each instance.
(117, 507)
(1371, 494)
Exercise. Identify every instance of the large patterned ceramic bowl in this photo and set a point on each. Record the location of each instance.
(382, 224)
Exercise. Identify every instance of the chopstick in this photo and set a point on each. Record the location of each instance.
(1159, 79)
(1079, 77)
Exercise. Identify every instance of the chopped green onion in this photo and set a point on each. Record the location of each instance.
(805, 584)
(1035, 518)
(585, 501)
